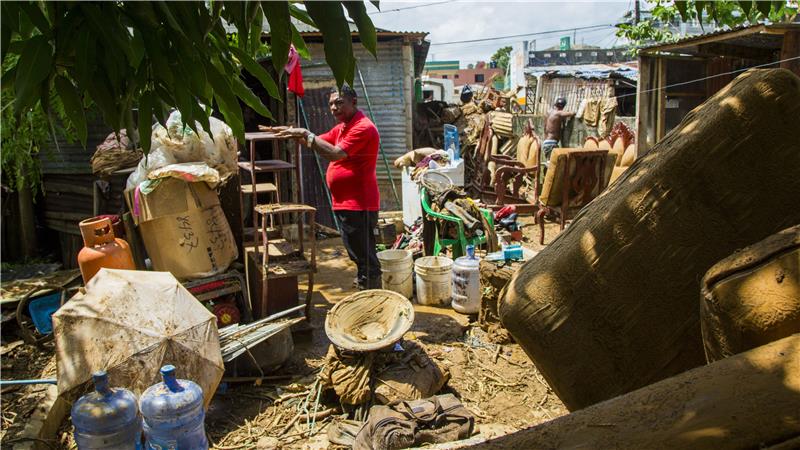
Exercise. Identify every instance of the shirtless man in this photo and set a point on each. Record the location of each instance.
(552, 128)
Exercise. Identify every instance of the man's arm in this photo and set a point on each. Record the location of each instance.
(321, 146)
(566, 114)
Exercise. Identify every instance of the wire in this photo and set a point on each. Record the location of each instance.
(411, 7)
(709, 77)
(538, 33)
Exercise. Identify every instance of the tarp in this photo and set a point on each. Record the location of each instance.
(130, 323)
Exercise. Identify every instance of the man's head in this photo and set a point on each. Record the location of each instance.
(560, 103)
(342, 103)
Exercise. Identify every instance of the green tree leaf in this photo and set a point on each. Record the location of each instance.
(280, 32)
(249, 98)
(336, 37)
(301, 15)
(73, 105)
(226, 99)
(747, 8)
(34, 66)
(763, 8)
(146, 106)
(299, 44)
(366, 29)
(257, 71)
(682, 9)
(37, 17)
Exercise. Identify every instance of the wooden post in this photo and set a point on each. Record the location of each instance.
(26, 221)
(791, 49)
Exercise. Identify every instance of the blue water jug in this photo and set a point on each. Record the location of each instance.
(107, 418)
(174, 417)
(451, 142)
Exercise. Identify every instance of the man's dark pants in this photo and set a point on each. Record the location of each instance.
(358, 235)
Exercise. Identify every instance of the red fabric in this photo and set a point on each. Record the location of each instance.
(352, 180)
(296, 81)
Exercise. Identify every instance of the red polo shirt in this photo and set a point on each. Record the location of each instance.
(352, 180)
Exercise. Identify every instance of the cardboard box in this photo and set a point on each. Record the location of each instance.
(184, 229)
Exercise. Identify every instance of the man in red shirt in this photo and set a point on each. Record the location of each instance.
(352, 149)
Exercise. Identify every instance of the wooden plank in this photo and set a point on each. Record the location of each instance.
(791, 49)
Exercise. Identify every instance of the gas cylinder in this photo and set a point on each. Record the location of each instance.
(174, 417)
(467, 283)
(102, 249)
(107, 418)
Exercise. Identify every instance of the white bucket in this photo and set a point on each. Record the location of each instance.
(396, 271)
(434, 280)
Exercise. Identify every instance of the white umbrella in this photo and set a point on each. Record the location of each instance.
(130, 323)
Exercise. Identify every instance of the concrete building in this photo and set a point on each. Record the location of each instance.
(480, 74)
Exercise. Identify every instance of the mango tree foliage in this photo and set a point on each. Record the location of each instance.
(155, 55)
(715, 14)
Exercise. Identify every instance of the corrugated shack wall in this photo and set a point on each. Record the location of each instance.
(571, 88)
(389, 81)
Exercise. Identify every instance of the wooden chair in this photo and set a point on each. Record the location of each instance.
(575, 178)
(512, 174)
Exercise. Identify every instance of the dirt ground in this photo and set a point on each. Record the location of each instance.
(498, 384)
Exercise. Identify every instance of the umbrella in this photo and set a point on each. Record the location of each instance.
(130, 323)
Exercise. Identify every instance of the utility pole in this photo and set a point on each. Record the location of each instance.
(637, 13)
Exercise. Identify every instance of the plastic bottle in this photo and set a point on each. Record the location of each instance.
(466, 283)
(102, 249)
(174, 417)
(107, 418)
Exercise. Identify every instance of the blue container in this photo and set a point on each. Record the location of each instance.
(107, 418)
(451, 141)
(174, 417)
(41, 309)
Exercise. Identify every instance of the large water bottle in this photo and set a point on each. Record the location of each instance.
(174, 417)
(107, 418)
(467, 283)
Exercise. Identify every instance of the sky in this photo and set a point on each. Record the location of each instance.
(457, 20)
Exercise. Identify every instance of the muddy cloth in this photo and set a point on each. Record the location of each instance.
(613, 304)
(385, 376)
(752, 297)
(608, 111)
(591, 112)
(438, 419)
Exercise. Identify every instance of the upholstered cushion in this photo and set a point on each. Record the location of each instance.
(551, 189)
(629, 156)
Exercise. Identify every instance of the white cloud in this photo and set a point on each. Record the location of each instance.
(463, 20)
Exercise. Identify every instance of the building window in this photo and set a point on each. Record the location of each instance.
(578, 54)
(479, 78)
(547, 55)
(444, 76)
(455, 76)
(594, 53)
(609, 53)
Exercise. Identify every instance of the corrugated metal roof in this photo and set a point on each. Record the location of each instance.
(688, 40)
(587, 71)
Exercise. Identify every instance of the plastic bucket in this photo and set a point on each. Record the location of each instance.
(396, 271)
(434, 280)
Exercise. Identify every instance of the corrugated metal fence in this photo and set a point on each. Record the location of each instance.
(573, 89)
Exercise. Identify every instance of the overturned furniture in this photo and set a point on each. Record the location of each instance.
(746, 401)
(612, 304)
(753, 296)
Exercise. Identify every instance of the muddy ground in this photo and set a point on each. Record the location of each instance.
(498, 384)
